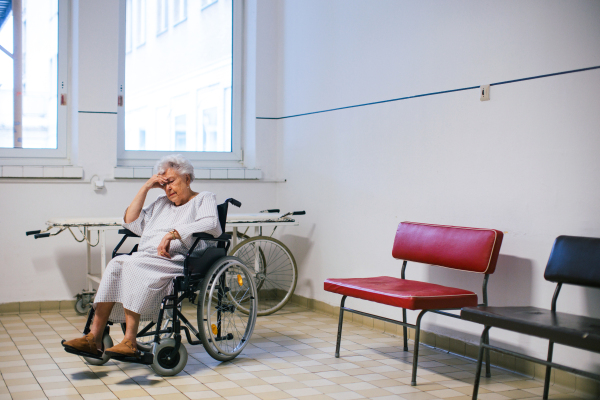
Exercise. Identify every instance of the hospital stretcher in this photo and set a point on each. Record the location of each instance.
(272, 262)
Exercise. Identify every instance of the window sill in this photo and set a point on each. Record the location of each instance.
(47, 172)
(200, 173)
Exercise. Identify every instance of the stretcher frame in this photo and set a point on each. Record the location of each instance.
(85, 226)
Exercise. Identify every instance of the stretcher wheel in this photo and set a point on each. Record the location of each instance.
(224, 329)
(274, 270)
(107, 343)
(81, 308)
(164, 363)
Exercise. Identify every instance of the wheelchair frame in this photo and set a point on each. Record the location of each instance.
(195, 270)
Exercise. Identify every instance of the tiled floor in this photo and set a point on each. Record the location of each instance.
(290, 356)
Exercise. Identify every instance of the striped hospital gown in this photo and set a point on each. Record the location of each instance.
(140, 281)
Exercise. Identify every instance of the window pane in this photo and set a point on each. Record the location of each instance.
(6, 84)
(178, 85)
(162, 16)
(39, 76)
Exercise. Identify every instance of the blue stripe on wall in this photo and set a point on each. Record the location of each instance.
(435, 93)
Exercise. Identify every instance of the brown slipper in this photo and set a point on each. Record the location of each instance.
(85, 344)
(123, 349)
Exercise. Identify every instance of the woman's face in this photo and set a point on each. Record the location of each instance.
(177, 186)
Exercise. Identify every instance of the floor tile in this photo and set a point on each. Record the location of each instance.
(289, 356)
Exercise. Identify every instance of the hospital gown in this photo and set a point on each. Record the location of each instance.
(140, 281)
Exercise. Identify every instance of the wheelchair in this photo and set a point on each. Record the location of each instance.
(220, 284)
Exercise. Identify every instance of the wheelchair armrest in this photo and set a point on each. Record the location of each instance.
(206, 236)
(224, 238)
(127, 232)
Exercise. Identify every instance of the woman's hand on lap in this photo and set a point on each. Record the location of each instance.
(165, 245)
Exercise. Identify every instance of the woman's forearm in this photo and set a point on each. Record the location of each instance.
(135, 208)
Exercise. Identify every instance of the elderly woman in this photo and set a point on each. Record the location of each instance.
(133, 286)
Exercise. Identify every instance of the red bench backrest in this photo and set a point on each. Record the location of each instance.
(467, 249)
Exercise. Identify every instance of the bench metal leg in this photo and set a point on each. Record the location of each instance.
(339, 334)
(488, 372)
(413, 381)
(548, 370)
(405, 330)
(484, 337)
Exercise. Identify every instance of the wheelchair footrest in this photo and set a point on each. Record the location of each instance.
(145, 356)
(71, 350)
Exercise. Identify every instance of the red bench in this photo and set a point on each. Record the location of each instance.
(468, 249)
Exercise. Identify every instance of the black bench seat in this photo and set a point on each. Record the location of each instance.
(566, 329)
(574, 261)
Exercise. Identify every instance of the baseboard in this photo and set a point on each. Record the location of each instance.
(36, 307)
(564, 379)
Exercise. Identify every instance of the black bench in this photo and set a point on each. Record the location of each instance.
(573, 260)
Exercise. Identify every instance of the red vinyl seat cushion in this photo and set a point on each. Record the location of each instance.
(404, 293)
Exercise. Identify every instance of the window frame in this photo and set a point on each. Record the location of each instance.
(210, 3)
(164, 4)
(59, 155)
(184, 13)
(198, 158)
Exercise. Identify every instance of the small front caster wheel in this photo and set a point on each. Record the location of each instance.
(107, 343)
(167, 364)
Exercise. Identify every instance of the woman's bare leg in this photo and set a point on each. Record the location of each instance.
(132, 322)
(101, 314)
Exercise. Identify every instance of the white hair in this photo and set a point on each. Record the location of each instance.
(178, 163)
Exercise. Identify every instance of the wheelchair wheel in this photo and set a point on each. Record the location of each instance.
(164, 363)
(107, 343)
(224, 330)
(258, 263)
(274, 270)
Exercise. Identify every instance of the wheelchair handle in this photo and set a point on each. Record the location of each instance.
(234, 202)
(41, 235)
(28, 233)
(299, 213)
(272, 210)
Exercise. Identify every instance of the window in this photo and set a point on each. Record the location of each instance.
(180, 131)
(140, 22)
(32, 78)
(186, 102)
(128, 26)
(162, 16)
(179, 11)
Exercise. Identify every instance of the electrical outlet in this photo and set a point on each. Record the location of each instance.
(484, 92)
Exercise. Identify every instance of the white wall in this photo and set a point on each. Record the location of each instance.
(54, 268)
(525, 162)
